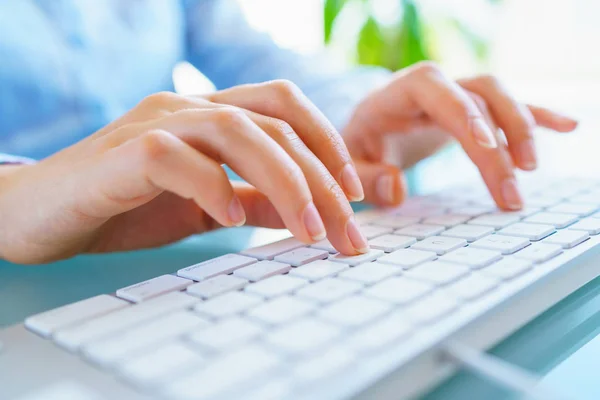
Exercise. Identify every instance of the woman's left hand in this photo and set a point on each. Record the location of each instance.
(427, 110)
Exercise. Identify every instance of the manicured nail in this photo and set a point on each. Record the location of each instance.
(510, 194)
(351, 183)
(385, 188)
(359, 242)
(483, 134)
(236, 213)
(527, 156)
(314, 223)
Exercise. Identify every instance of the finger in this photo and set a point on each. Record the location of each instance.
(285, 101)
(328, 196)
(513, 118)
(326, 192)
(228, 135)
(455, 111)
(384, 184)
(552, 120)
(259, 209)
(140, 169)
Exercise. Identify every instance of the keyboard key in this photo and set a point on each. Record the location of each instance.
(447, 220)
(261, 270)
(589, 225)
(302, 256)
(323, 366)
(528, 231)
(224, 374)
(439, 244)
(432, 308)
(395, 221)
(586, 198)
(372, 231)
(269, 251)
(354, 311)
(389, 243)
(399, 290)
(371, 255)
(46, 323)
(420, 231)
(567, 238)
(554, 219)
(326, 245)
(496, 221)
(226, 334)
(276, 286)
(472, 211)
(215, 286)
(328, 290)
(370, 273)
(73, 337)
(281, 310)
(118, 346)
(472, 257)
(438, 273)
(540, 201)
(153, 287)
(580, 209)
(508, 268)
(227, 304)
(539, 252)
(318, 270)
(407, 258)
(157, 365)
(503, 244)
(381, 334)
(472, 287)
(468, 232)
(302, 337)
(223, 265)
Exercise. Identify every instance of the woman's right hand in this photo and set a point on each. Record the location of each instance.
(154, 176)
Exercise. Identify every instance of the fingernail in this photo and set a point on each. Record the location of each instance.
(351, 183)
(314, 223)
(483, 134)
(359, 242)
(510, 194)
(385, 188)
(236, 213)
(527, 155)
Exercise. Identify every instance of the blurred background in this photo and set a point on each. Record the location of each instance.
(545, 51)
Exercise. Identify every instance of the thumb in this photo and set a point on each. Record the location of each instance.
(384, 184)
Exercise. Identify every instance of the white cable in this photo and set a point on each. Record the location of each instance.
(500, 372)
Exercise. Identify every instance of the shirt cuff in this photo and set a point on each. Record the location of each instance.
(11, 159)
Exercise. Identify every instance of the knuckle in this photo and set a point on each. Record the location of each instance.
(229, 116)
(286, 90)
(488, 80)
(155, 145)
(427, 68)
(158, 100)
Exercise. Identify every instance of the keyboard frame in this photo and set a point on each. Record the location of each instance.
(418, 365)
(404, 370)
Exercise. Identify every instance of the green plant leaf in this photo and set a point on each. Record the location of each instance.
(478, 44)
(370, 47)
(411, 41)
(331, 10)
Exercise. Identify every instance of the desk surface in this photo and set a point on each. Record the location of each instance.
(559, 344)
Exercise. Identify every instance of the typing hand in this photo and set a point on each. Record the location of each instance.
(154, 176)
(426, 109)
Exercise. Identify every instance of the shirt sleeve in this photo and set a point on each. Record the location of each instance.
(10, 159)
(221, 44)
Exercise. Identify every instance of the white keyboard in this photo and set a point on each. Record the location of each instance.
(277, 320)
